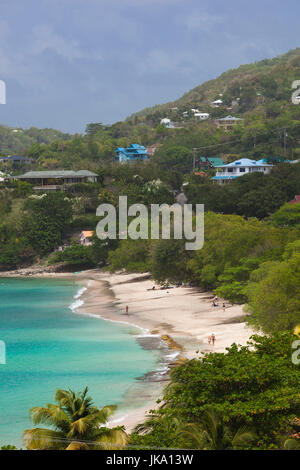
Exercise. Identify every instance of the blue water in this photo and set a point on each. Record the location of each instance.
(48, 347)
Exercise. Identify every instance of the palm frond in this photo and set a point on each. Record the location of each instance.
(52, 415)
(78, 446)
(244, 435)
(112, 439)
(43, 439)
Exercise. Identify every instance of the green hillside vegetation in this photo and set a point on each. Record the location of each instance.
(251, 392)
(260, 93)
(18, 140)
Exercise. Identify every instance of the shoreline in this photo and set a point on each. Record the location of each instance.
(181, 317)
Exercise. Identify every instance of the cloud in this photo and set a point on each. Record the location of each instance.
(202, 21)
(44, 39)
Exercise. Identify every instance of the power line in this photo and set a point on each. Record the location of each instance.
(240, 140)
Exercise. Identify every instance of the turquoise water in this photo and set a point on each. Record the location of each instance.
(48, 347)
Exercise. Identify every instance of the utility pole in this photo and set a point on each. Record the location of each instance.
(194, 159)
(285, 143)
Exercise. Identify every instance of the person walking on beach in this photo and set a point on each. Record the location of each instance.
(213, 338)
(126, 309)
(209, 339)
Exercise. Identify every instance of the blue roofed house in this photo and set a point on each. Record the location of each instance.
(226, 173)
(132, 153)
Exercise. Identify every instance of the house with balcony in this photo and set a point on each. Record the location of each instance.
(244, 166)
(227, 123)
(132, 153)
(56, 180)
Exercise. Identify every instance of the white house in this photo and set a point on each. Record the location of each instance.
(226, 173)
(201, 116)
(216, 103)
(86, 237)
(167, 123)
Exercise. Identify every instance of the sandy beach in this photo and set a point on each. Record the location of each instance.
(182, 317)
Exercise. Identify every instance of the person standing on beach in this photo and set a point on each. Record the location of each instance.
(209, 339)
(213, 338)
(126, 309)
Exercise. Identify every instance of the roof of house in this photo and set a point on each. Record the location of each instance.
(225, 177)
(295, 200)
(230, 118)
(245, 162)
(133, 150)
(215, 161)
(15, 158)
(87, 233)
(56, 174)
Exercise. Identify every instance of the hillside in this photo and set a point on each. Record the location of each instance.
(259, 93)
(270, 78)
(18, 140)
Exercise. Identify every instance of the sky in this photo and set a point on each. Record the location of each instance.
(67, 63)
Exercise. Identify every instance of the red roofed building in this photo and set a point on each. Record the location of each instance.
(297, 199)
(86, 237)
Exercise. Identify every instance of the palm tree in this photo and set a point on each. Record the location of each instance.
(77, 424)
(212, 433)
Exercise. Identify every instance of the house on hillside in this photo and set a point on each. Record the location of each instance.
(201, 116)
(204, 163)
(226, 173)
(167, 123)
(216, 103)
(227, 123)
(295, 200)
(16, 159)
(55, 180)
(132, 153)
(3, 176)
(86, 237)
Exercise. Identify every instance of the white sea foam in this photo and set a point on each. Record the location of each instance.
(80, 292)
(78, 303)
(116, 421)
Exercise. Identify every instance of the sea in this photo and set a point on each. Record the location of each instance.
(49, 345)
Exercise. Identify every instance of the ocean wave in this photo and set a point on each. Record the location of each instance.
(80, 292)
(78, 303)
